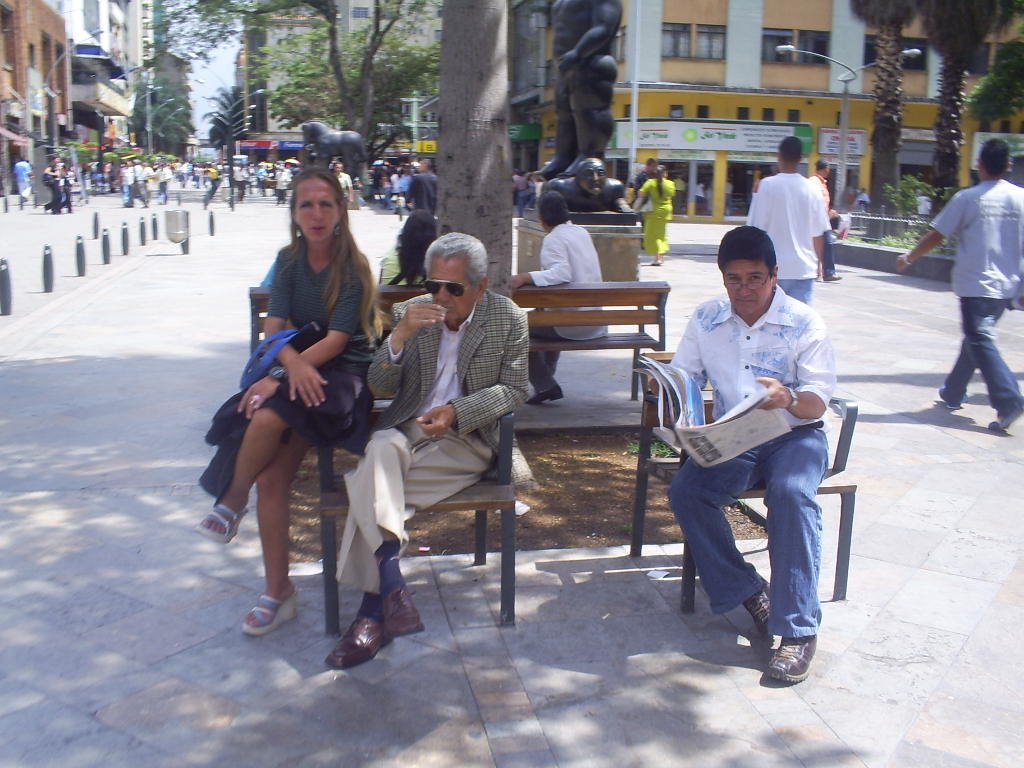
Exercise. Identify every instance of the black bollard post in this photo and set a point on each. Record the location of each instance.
(188, 232)
(47, 269)
(124, 238)
(211, 224)
(21, 203)
(80, 256)
(179, 199)
(95, 225)
(152, 221)
(105, 245)
(5, 204)
(5, 288)
(142, 230)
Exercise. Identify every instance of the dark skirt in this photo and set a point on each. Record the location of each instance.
(342, 420)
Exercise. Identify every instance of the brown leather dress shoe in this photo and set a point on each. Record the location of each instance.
(360, 643)
(400, 615)
(791, 661)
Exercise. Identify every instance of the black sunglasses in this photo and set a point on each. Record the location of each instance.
(434, 287)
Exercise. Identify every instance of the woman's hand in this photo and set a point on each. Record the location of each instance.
(256, 395)
(305, 382)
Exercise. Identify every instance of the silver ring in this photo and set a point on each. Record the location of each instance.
(255, 399)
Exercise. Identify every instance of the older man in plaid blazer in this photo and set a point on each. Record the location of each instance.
(457, 362)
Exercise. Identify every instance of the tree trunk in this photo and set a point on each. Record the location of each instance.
(949, 136)
(474, 152)
(886, 139)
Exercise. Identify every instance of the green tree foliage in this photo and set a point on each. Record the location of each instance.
(228, 119)
(888, 17)
(169, 114)
(1001, 92)
(904, 195)
(304, 91)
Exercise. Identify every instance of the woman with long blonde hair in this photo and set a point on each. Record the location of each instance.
(316, 394)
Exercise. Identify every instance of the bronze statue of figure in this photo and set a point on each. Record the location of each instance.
(584, 31)
(590, 190)
(324, 143)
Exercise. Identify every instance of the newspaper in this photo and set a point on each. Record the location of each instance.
(681, 418)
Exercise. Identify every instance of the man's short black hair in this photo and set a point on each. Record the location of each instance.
(791, 149)
(820, 164)
(748, 243)
(552, 209)
(995, 156)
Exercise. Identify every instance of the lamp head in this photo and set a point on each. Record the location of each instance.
(786, 48)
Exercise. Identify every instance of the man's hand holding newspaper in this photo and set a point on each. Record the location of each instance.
(681, 410)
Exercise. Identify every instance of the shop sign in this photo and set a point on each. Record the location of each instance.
(686, 154)
(753, 157)
(711, 136)
(426, 147)
(1016, 142)
(251, 144)
(856, 142)
(917, 134)
(291, 145)
(524, 131)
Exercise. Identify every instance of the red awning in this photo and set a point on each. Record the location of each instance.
(21, 141)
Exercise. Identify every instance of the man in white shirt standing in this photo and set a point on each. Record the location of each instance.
(789, 209)
(753, 340)
(567, 255)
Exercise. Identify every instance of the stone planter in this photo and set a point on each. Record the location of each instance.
(934, 266)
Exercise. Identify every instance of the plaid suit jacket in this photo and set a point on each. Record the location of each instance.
(492, 368)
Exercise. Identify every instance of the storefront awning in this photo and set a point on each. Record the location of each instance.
(21, 141)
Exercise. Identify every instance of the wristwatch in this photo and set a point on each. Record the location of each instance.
(794, 399)
(278, 372)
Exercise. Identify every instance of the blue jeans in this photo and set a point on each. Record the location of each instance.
(791, 466)
(801, 290)
(828, 253)
(979, 316)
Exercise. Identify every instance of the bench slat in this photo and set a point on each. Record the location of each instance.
(611, 341)
(572, 317)
(485, 493)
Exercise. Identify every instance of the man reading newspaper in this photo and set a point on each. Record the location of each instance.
(755, 337)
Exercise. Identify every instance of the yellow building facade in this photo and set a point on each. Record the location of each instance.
(714, 96)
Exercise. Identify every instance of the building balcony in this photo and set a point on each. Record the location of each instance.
(101, 97)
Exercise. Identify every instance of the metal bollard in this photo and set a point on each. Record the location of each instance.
(47, 269)
(105, 245)
(142, 230)
(179, 199)
(80, 256)
(124, 238)
(154, 226)
(95, 225)
(21, 203)
(5, 288)
(211, 224)
(184, 243)
(5, 204)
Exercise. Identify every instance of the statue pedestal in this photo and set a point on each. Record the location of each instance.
(618, 246)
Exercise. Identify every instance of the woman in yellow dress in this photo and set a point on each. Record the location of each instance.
(661, 191)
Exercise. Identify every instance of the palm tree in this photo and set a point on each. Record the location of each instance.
(888, 17)
(227, 121)
(956, 30)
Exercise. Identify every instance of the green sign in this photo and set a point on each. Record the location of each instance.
(524, 131)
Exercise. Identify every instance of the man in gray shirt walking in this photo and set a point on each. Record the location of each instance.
(988, 220)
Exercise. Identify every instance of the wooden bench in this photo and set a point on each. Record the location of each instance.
(638, 306)
(665, 469)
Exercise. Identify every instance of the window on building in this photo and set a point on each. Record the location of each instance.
(742, 113)
(1004, 126)
(626, 110)
(32, 55)
(770, 39)
(675, 41)
(675, 111)
(793, 116)
(437, 35)
(619, 46)
(360, 12)
(814, 41)
(984, 126)
(6, 36)
(710, 42)
(703, 111)
(768, 114)
(978, 64)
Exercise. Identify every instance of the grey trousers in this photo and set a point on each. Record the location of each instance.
(543, 364)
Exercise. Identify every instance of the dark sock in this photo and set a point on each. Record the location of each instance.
(390, 573)
(372, 607)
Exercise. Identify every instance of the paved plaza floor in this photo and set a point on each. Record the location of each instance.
(119, 626)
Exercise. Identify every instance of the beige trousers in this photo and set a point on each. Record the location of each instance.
(402, 471)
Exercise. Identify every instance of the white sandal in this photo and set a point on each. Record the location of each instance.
(223, 517)
(268, 614)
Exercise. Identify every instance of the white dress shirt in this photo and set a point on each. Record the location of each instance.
(568, 255)
(789, 342)
(446, 385)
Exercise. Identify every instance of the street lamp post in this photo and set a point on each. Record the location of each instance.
(844, 109)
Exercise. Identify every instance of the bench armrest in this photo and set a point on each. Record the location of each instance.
(848, 410)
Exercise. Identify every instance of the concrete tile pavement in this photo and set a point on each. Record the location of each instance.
(119, 639)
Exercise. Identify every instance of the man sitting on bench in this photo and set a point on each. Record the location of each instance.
(456, 362)
(758, 334)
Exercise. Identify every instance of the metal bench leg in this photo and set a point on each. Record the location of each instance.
(508, 566)
(689, 582)
(480, 538)
(329, 552)
(847, 501)
(634, 383)
(640, 494)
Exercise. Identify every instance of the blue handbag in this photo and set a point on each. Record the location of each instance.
(265, 355)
